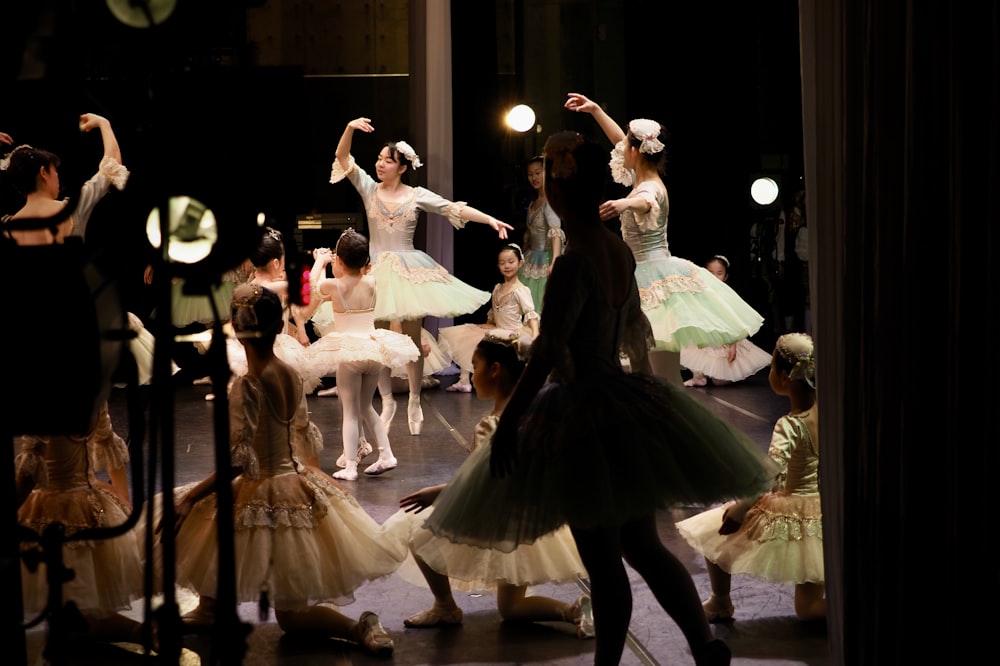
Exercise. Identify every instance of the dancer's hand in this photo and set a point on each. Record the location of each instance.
(6, 138)
(578, 102)
(420, 500)
(363, 124)
(500, 227)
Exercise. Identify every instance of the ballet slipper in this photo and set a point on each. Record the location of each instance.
(581, 613)
(349, 473)
(460, 388)
(718, 610)
(373, 636)
(415, 415)
(364, 450)
(381, 465)
(435, 617)
(328, 392)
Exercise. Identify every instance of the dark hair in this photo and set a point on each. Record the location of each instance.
(503, 352)
(534, 159)
(352, 248)
(270, 247)
(579, 168)
(25, 162)
(657, 160)
(257, 309)
(398, 156)
(719, 258)
(515, 248)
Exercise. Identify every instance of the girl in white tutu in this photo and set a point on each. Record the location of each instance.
(553, 558)
(411, 284)
(777, 536)
(512, 316)
(355, 350)
(727, 363)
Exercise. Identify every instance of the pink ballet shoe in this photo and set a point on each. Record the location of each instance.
(718, 611)
(415, 414)
(349, 473)
(364, 450)
(460, 388)
(328, 392)
(373, 636)
(582, 615)
(381, 465)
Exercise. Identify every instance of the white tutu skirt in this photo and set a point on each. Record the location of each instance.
(780, 539)
(436, 358)
(411, 285)
(108, 572)
(460, 341)
(379, 345)
(142, 347)
(297, 535)
(289, 350)
(553, 558)
(714, 361)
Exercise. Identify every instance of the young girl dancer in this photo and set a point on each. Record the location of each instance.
(512, 316)
(355, 350)
(728, 363)
(554, 558)
(635, 442)
(685, 304)
(298, 534)
(544, 239)
(778, 536)
(411, 285)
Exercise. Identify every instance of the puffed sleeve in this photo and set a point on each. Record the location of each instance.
(483, 434)
(554, 223)
(526, 304)
(648, 191)
(783, 438)
(359, 178)
(106, 449)
(435, 203)
(245, 403)
(619, 172)
(30, 460)
(307, 440)
(109, 172)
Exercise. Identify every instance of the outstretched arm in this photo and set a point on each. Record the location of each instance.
(344, 146)
(476, 215)
(90, 121)
(578, 102)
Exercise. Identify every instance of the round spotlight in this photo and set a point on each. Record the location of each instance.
(521, 118)
(764, 191)
(193, 230)
(141, 13)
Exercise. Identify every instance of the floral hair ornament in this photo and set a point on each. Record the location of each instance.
(648, 132)
(407, 151)
(5, 161)
(274, 233)
(797, 349)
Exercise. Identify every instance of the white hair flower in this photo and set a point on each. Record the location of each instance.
(647, 131)
(407, 151)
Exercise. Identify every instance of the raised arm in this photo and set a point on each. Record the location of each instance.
(578, 102)
(90, 121)
(344, 145)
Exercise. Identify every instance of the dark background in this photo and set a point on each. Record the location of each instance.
(194, 109)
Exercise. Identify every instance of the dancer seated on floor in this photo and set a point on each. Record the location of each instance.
(321, 544)
(779, 536)
(552, 558)
(512, 316)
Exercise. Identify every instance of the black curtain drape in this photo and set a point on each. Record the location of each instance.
(901, 110)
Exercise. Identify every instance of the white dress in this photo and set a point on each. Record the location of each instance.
(509, 315)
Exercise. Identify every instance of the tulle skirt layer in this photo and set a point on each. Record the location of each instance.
(197, 308)
(687, 306)
(780, 540)
(460, 341)
(411, 285)
(379, 345)
(714, 361)
(552, 558)
(289, 350)
(298, 536)
(607, 449)
(534, 274)
(108, 572)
